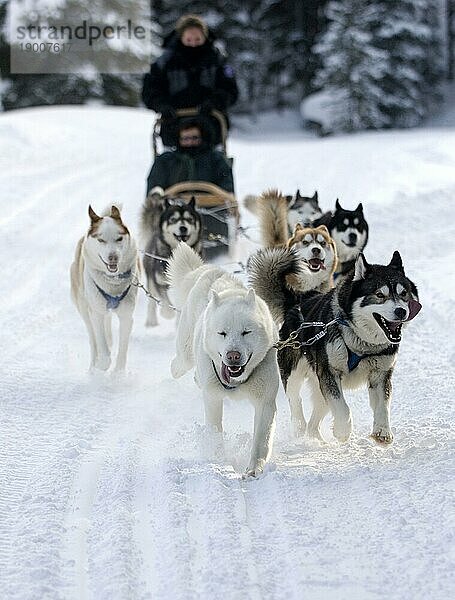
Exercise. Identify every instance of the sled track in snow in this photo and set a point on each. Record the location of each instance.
(111, 486)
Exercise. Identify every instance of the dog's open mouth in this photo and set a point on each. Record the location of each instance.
(182, 238)
(111, 267)
(392, 329)
(316, 264)
(229, 372)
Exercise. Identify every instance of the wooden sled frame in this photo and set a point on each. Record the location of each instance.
(219, 211)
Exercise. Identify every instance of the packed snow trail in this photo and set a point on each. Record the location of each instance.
(112, 488)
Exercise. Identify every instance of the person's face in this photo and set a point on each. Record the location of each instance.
(191, 137)
(193, 37)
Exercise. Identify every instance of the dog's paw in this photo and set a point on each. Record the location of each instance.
(103, 363)
(382, 435)
(254, 470)
(167, 312)
(342, 429)
(177, 367)
(299, 428)
(315, 434)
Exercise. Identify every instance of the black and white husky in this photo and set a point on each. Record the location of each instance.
(303, 210)
(164, 224)
(367, 312)
(349, 230)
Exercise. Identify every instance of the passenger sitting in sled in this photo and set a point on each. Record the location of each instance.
(194, 159)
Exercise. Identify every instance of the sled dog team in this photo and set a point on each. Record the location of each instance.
(315, 309)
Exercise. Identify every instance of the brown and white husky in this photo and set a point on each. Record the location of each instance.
(101, 284)
(313, 246)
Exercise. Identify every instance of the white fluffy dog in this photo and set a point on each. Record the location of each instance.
(227, 333)
(101, 283)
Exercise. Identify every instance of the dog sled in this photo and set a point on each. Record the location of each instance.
(218, 208)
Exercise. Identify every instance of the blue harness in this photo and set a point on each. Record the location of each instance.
(353, 358)
(112, 302)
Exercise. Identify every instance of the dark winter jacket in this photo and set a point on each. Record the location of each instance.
(202, 165)
(185, 77)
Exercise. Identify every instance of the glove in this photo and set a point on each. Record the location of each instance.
(167, 112)
(206, 107)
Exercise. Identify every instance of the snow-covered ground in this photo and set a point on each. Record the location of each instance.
(109, 487)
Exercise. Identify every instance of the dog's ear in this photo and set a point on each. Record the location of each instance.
(115, 213)
(359, 208)
(396, 261)
(251, 297)
(338, 205)
(94, 218)
(298, 196)
(361, 267)
(298, 227)
(315, 196)
(192, 202)
(323, 229)
(214, 298)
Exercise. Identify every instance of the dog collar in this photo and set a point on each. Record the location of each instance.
(353, 358)
(112, 302)
(125, 275)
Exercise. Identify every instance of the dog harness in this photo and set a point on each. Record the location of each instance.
(353, 358)
(112, 302)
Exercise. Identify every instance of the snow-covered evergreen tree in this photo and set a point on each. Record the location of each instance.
(4, 55)
(381, 61)
(353, 66)
(109, 70)
(409, 31)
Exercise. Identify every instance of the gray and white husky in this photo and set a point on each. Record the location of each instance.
(164, 223)
(303, 210)
(101, 284)
(367, 312)
(298, 209)
(227, 333)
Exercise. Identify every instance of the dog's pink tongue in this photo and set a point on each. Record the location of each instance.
(414, 309)
(225, 373)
